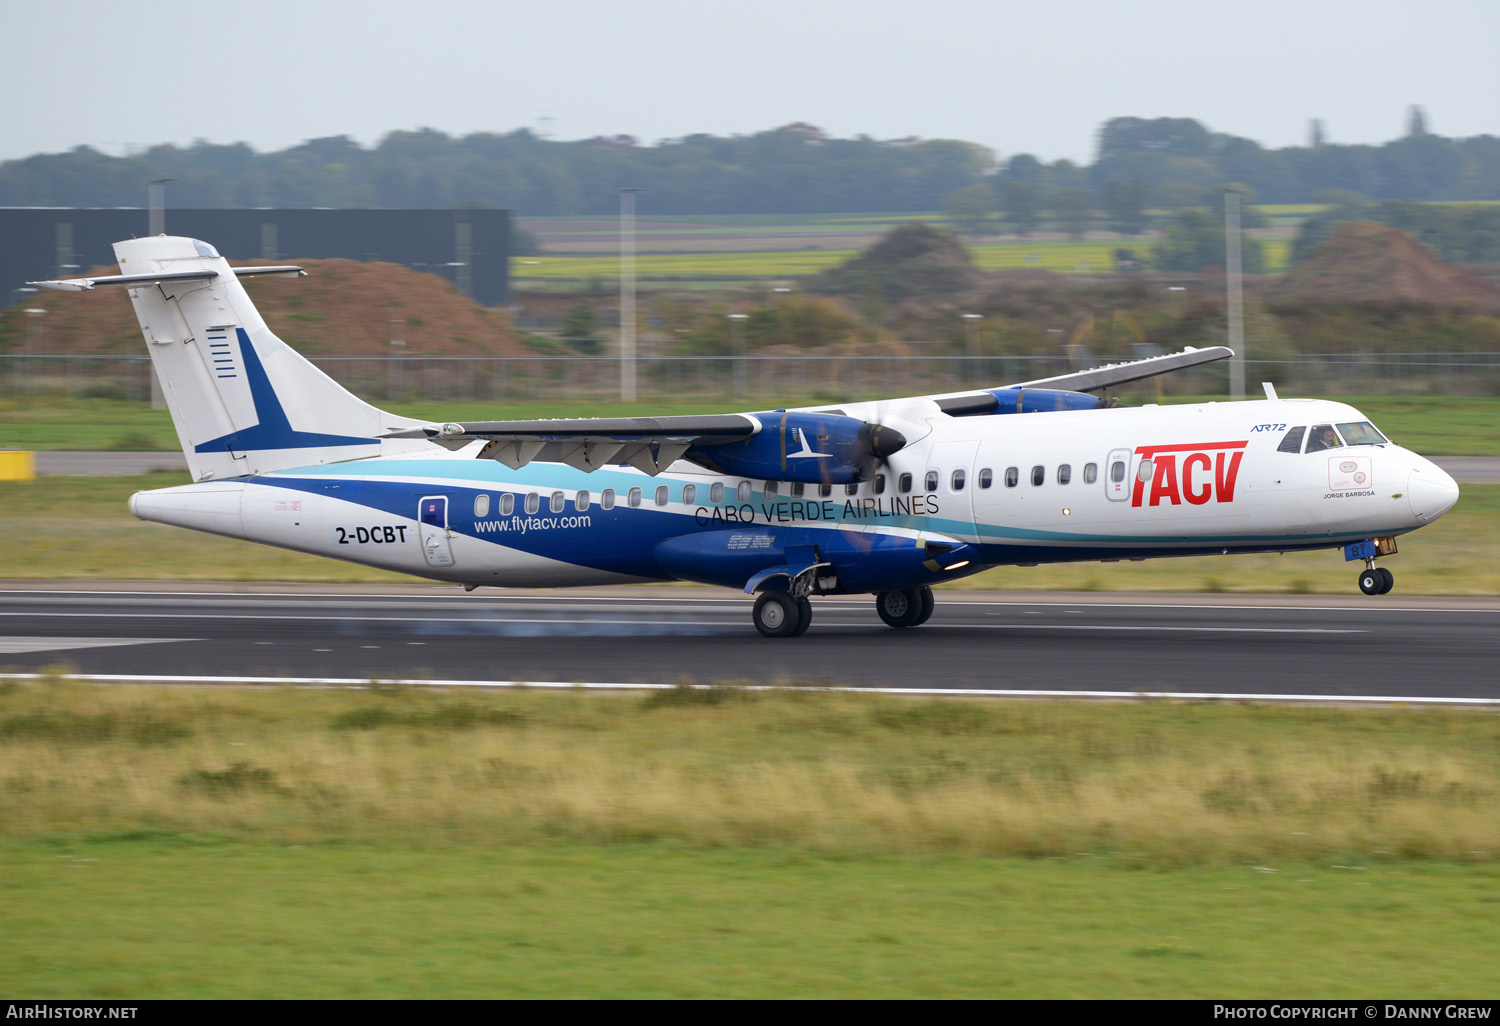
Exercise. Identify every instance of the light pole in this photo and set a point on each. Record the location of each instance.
(155, 202)
(1236, 296)
(969, 320)
(627, 294)
(737, 349)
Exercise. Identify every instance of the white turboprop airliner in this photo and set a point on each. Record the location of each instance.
(883, 497)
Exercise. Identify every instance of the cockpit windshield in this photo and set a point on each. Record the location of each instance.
(204, 249)
(1321, 437)
(1361, 433)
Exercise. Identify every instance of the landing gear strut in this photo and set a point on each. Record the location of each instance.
(1373, 580)
(905, 607)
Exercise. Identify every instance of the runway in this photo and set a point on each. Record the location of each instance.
(1277, 645)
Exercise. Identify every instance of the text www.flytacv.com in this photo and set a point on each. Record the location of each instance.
(520, 525)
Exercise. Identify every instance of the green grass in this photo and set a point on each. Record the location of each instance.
(309, 843)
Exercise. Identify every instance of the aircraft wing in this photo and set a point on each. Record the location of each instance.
(650, 444)
(968, 403)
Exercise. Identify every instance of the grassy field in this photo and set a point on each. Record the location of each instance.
(1085, 256)
(310, 843)
(1432, 425)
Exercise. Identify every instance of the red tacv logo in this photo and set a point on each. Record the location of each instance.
(1192, 473)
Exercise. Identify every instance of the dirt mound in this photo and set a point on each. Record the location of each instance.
(1366, 262)
(343, 308)
(913, 260)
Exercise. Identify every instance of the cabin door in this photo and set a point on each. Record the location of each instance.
(432, 529)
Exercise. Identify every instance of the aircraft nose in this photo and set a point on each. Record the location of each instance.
(1431, 491)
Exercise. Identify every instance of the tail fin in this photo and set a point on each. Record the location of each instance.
(242, 400)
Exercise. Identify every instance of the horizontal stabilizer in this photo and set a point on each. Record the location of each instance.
(88, 284)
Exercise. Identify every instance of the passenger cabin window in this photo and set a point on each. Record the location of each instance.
(607, 499)
(930, 482)
(744, 491)
(1012, 476)
(1090, 473)
(852, 488)
(958, 479)
(689, 494)
(825, 490)
(1145, 471)
(1292, 440)
(986, 477)
(481, 506)
(1361, 433)
(798, 489)
(716, 492)
(769, 491)
(1064, 473)
(581, 500)
(633, 497)
(533, 502)
(1117, 471)
(1323, 437)
(878, 485)
(661, 495)
(557, 502)
(903, 484)
(1038, 475)
(507, 504)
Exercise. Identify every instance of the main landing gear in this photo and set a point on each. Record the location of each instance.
(905, 607)
(778, 615)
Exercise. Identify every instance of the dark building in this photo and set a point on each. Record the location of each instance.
(470, 248)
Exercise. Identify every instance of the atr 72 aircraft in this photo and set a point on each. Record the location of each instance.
(885, 497)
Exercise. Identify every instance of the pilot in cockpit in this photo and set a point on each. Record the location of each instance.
(1323, 437)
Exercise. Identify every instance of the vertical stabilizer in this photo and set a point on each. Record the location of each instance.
(242, 400)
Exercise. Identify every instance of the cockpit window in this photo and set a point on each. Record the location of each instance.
(1292, 440)
(1323, 437)
(204, 249)
(1361, 432)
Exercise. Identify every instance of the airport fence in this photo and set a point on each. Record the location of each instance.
(768, 379)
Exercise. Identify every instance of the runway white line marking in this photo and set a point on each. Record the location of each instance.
(365, 682)
(502, 599)
(18, 645)
(679, 623)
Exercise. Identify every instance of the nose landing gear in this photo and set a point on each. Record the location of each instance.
(1373, 580)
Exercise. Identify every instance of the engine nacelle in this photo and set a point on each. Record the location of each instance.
(1045, 400)
(814, 448)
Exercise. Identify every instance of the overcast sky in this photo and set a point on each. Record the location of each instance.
(1036, 76)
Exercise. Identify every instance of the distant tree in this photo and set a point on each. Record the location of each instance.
(1125, 206)
(1315, 136)
(1073, 211)
(581, 327)
(970, 209)
(1195, 240)
(1416, 123)
(1022, 202)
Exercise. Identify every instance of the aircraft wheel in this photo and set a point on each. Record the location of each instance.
(1371, 582)
(928, 605)
(776, 614)
(804, 618)
(899, 608)
(1388, 579)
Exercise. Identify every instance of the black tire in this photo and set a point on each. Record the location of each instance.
(928, 605)
(1388, 578)
(900, 607)
(776, 614)
(1371, 582)
(804, 618)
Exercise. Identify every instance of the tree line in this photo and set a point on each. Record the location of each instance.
(797, 168)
